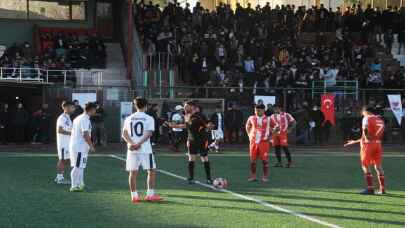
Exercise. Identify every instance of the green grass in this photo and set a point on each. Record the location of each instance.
(321, 186)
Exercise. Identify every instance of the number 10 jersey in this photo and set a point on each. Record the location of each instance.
(137, 125)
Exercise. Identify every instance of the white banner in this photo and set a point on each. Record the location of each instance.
(396, 106)
(265, 100)
(84, 98)
(126, 110)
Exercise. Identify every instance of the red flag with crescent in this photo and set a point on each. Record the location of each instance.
(328, 108)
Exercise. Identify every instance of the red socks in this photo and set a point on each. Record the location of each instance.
(369, 181)
(253, 168)
(265, 168)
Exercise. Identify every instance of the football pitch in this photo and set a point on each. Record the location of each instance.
(321, 191)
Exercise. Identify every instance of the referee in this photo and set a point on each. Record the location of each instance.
(197, 139)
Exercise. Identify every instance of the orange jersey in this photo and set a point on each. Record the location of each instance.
(371, 149)
(259, 128)
(282, 121)
(374, 126)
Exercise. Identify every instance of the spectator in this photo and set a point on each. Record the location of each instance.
(178, 133)
(99, 135)
(78, 110)
(318, 118)
(5, 118)
(19, 123)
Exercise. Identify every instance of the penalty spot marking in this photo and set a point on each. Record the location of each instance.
(248, 198)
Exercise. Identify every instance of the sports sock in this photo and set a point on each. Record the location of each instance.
(381, 180)
(287, 154)
(369, 181)
(75, 177)
(59, 176)
(134, 194)
(278, 153)
(207, 169)
(191, 169)
(253, 168)
(81, 176)
(265, 168)
(150, 192)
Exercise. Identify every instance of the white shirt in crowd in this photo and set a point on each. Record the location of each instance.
(136, 125)
(81, 124)
(178, 119)
(63, 121)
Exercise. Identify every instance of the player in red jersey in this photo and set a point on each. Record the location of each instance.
(282, 123)
(258, 130)
(371, 149)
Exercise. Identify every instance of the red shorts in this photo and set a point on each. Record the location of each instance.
(371, 154)
(260, 150)
(280, 139)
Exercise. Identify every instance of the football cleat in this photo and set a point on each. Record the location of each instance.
(153, 198)
(278, 164)
(265, 179)
(381, 192)
(136, 199)
(82, 187)
(290, 165)
(75, 189)
(252, 179)
(367, 192)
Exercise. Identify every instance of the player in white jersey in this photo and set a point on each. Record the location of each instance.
(63, 130)
(138, 128)
(80, 145)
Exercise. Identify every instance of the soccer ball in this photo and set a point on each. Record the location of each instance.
(220, 183)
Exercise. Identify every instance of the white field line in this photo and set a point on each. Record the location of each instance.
(248, 198)
(323, 155)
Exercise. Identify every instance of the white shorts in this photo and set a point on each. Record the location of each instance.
(217, 134)
(136, 160)
(78, 159)
(63, 153)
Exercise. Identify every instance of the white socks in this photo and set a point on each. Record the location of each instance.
(76, 177)
(150, 192)
(134, 194)
(59, 176)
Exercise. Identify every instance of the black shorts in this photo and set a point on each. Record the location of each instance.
(197, 148)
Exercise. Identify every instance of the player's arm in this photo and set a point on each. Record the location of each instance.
(63, 131)
(248, 126)
(175, 125)
(146, 135)
(87, 138)
(352, 142)
(292, 124)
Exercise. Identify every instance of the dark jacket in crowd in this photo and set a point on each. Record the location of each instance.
(78, 111)
(20, 118)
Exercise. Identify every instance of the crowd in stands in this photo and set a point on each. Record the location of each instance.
(58, 52)
(20, 124)
(261, 48)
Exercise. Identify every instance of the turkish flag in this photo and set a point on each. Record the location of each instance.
(328, 108)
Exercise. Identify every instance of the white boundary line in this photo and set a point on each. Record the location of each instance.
(248, 198)
(5, 154)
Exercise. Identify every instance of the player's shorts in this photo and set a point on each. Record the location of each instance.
(260, 150)
(196, 148)
(135, 161)
(63, 153)
(78, 159)
(217, 134)
(280, 139)
(371, 154)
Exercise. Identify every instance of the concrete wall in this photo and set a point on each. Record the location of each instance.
(18, 30)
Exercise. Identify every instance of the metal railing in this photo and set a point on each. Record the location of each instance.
(343, 87)
(40, 75)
